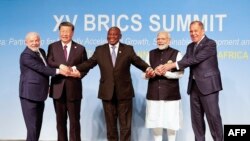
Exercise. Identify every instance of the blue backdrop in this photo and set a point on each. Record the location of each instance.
(226, 21)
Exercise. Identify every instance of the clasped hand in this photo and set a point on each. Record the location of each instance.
(159, 70)
(69, 71)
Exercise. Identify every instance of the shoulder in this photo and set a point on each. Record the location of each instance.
(57, 43)
(173, 49)
(102, 46)
(153, 50)
(209, 40)
(77, 45)
(41, 50)
(126, 45)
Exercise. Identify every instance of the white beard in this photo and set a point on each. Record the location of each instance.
(162, 47)
(35, 49)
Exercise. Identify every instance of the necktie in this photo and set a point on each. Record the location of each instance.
(195, 46)
(113, 55)
(65, 52)
(41, 56)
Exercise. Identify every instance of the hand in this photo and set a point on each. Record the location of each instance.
(168, 67)
(150, 73)
(62, 72)
(75, 73)
(65, 70)
(159, 70)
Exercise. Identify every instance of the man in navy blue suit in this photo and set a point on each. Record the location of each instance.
(34, 84)
(204, 82)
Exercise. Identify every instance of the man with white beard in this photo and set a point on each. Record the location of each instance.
(163, 104)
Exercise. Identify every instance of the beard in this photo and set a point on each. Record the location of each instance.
(35, 49)
(162, 47)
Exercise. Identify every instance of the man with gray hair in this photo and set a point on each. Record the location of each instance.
(204, 82)
(34, 84)
(163, 104)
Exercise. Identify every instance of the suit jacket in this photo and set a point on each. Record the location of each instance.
(203, 65)
(34, 78)
(116, 78)
(73, 86)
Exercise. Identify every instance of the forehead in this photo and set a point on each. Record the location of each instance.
(162, 35)
(65, 28)
(114, 30)
(195, 25)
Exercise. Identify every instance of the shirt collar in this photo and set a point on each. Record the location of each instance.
(68, 44)
(116, 45)
(200, 39)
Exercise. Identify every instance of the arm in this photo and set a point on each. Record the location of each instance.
(144, 73)
(84, 58)
(138, 62)
(177, 74)
(75, 72)
(32, 63)
(208, 49)
(88, 64)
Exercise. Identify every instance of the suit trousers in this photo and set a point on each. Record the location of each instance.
(118, 110)
(33, 117)
(63, 109)
(205, 105)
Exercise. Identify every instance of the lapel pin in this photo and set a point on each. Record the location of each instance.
(120, 51)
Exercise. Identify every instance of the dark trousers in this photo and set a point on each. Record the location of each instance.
(33, 117)
(205, 105)
(118, 110)
(63, 109)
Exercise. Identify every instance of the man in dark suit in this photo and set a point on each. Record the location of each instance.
(116, 91)
(204, 82)
(34, 84)
(66, 91)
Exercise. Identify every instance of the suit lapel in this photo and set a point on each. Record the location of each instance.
(107, 54)
(119, 53)
(73, 51)
(34, 54)
(199, 46)
(59, 52)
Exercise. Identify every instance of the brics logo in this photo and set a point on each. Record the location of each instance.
(236, 132)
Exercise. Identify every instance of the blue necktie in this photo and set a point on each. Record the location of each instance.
(113, 55)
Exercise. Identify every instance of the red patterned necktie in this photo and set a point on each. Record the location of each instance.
(65, 52)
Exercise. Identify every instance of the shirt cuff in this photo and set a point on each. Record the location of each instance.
(177, 66)
(57, 71)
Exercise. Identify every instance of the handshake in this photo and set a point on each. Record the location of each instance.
(69, 71)
(159, 70)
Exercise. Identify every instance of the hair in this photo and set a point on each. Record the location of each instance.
(67, 24)
(31, 34)
(115, 27)
(198, 22)
(166, 33)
